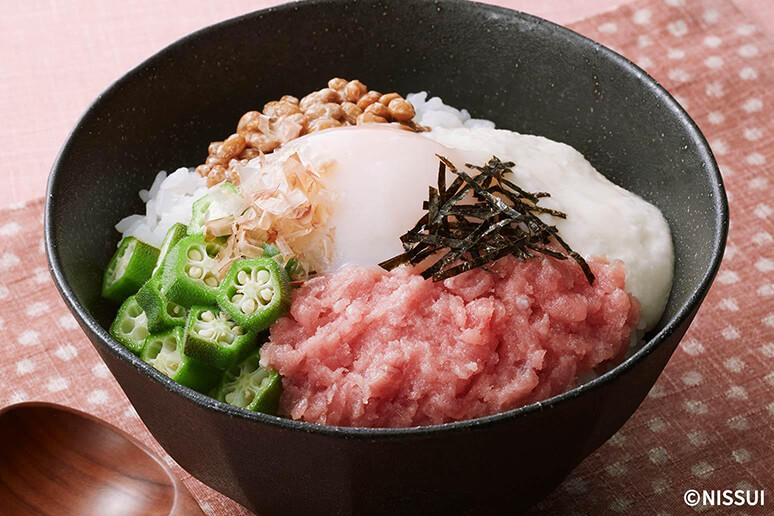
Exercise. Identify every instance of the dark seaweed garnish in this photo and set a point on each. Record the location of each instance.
(503, 220)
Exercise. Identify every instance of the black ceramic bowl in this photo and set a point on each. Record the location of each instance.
(522, 72)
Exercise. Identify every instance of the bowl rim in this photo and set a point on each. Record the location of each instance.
(205, 402)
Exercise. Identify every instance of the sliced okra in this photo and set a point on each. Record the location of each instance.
(129, 269)
(190, 273)
(270, 250)
(164, 351)
(294, 269)
(130, 326)
(255, 292)
(199, 215)
(160, 311)
(200, 209)
(176, 233)
(213, 337)
(250, 386)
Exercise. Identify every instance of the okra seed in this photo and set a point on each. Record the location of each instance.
(248, 394)
(174, 366)
(195, 255)
(230, 398)
(174, 310)
(243, 277)
(208, 316)
(127, 326)
(207, 333)
(238, 330)
(195, 272)
(211, 281)
(263, 276)
(237, 298)
(267, 294)
(249, 306)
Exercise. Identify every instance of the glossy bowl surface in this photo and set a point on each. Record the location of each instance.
(524, 73)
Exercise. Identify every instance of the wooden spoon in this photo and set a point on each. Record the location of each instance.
(56, 460)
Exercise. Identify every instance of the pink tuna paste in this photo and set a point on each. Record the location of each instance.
(370, 348)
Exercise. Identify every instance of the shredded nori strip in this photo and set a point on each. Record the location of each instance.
(503, 220)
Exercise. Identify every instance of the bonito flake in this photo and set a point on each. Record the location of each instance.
(286, 203)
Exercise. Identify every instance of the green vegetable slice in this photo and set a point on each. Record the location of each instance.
(294, 269)
(270, 250)
(199, 215)
(160, 311)
(190, 273)
(176, 233)
(130, 326)
(250, 386)
(255, 292)
(164, 351)
(200, 208)
(129, 269)
(213, 337)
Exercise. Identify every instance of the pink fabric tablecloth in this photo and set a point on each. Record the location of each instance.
(709, 421)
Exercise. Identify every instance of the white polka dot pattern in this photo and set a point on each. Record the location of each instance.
(11, 228)
(8, 261)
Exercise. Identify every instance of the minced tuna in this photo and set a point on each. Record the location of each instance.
(370, 348)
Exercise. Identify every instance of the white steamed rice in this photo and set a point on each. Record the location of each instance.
(168, 201)
(434, 113)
